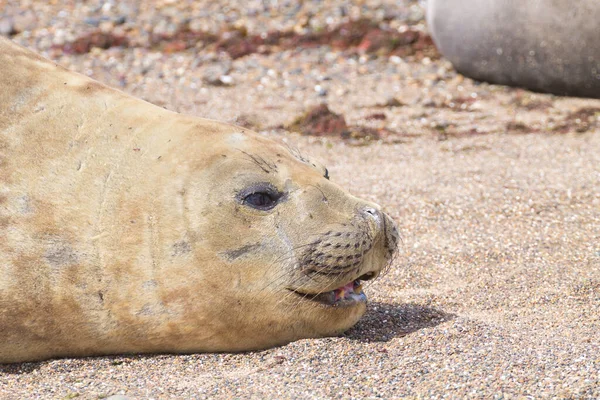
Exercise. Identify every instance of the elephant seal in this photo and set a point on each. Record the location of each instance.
(127, 228)
(544, 45)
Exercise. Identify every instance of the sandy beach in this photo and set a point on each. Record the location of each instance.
(495, 191)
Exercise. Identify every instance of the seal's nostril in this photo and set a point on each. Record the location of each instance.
(372, 214)
(371, 211)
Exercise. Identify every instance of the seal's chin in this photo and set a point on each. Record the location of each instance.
(348, 295)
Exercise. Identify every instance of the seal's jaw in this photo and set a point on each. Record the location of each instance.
(348, 295)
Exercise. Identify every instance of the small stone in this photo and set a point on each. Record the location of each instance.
(391, 102)
(396, 60)
(321, 91)
(120, 20)
(7, 27)
(218, 75)
(226, 80)
(92, 21)
(221, 80)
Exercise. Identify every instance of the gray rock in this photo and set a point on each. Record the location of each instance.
(218, 75)
(93, 21)
(544, 45)
(7, 26)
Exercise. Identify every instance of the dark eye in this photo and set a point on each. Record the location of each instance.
(326, 174)
(260, 200)
(262, 196)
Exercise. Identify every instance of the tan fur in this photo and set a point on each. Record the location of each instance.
(122, 230)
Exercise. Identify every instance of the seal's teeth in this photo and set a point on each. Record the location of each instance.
(349, 294)
(345, 291)
(357, 287)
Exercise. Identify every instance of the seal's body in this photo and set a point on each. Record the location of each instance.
(544, 45)
(128, 228)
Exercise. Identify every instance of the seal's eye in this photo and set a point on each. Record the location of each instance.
(260, 200)
(262, 196)
(326, 174)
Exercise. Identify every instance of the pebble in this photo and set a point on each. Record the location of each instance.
(321, 91)
(218, 75)
(7, 26)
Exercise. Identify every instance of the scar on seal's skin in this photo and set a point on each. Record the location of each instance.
(181, 248)
(233, 254)
(60, 256)
(24, 205)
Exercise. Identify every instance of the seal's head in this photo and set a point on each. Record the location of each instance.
(291, 247)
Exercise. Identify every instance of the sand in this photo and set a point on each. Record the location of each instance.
(496, 193)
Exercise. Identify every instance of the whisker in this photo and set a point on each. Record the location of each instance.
(299, 277)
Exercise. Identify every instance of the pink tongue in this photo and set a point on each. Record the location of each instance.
(340, 293)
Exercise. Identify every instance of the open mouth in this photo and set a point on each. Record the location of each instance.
(348, 295)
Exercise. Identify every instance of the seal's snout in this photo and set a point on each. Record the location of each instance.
(381, 226)
(373, 215)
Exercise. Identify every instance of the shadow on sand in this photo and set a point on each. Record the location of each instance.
(383, 322)
(20, 368)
